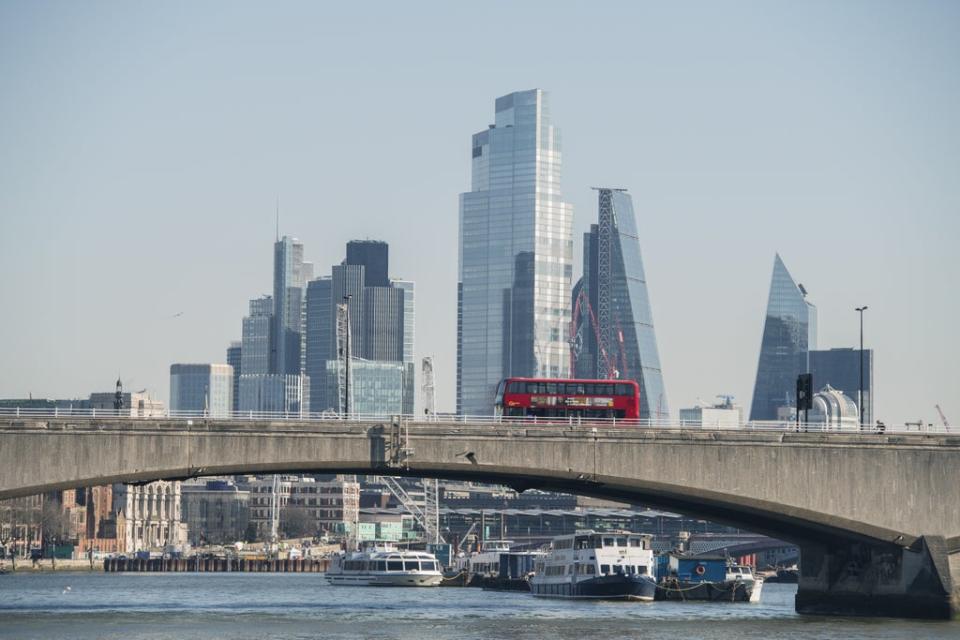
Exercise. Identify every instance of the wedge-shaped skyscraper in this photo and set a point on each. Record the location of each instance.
(613, 335)
(789, 333)
(516, 252)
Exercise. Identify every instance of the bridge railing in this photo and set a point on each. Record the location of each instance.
(452, 419)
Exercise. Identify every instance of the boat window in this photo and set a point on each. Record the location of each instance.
(395, 565)
(641, 570)
(618, 569)
(411, 565)
(621, 542)
(608, 542)
(428, 566)
(604, 569)
(636, 542)
(591, 570)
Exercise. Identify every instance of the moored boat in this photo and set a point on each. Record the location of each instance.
(718, 579)
(599, 566)
(382, 565)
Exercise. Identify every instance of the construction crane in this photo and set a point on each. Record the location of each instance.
(582, 302)
(943, 418)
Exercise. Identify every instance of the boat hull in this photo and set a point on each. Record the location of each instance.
(615, 587)
(727, 591)
(375, 580)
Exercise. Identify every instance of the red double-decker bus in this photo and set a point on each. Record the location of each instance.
(559, 398)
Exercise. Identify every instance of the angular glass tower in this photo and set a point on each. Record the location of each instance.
(789, 334)
(613, 322)
(515, 260)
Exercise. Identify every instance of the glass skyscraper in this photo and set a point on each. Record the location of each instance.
(290, 275)
(515, 254)
(381, 328)
(202, 388)
(613, 320)
(789, 334)
(840, 368)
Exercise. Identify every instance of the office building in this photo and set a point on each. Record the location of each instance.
(202, 388)
(215, 511)
(721, 415)
(840, 369)
(235, 360)
(613, 321)
(515, 254)
(789, 334)
(374, 256)
(274, 393)
(255, 347)
(382, 335)
(290, 275)
(330, 507)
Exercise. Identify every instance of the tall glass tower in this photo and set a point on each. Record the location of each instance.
(515, 261)
(789, 334)
(613, 321)
(290, 275)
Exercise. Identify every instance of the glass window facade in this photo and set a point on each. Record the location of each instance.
(515, 254)
(377, 388)
(289, 280)
(202, 387)
(789, 333)
(611, 302)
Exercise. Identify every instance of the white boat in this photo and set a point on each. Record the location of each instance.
(598, 566)
(383, 565)
(486, 562)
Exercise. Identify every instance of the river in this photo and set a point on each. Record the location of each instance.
(80, 606)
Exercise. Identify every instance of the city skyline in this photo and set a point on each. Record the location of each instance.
(121, 203)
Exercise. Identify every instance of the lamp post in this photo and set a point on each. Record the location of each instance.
(860, 310)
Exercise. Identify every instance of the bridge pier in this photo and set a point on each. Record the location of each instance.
(863, 579)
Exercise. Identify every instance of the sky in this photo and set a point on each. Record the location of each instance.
(143, 147)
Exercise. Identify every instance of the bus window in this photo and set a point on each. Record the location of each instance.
(551, 387)
(516, 387)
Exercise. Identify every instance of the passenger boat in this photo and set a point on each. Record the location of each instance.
(714, 578)
(592, 565)
(382, 565)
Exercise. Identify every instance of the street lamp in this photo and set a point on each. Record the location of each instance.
(860, 310)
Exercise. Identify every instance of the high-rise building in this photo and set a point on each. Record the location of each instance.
(374, 255)
(613, 321)
(381, 328)
(289, 280)
(255, 350)
(235, 360)
(202, 388)
(840, 369)
(274, 393)
(515, 254)
(789, 334)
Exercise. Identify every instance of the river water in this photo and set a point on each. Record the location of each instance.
(302, 606)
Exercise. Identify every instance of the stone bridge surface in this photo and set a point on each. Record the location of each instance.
(877, 517)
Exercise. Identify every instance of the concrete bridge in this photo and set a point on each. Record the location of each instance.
(877, 517)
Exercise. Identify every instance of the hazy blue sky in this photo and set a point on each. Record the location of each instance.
(143, 145)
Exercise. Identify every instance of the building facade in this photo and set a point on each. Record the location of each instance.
(151, 515)
(290, 276)
(613, 334)
(255, 347)
(202, 388)
(515, 254)
(840, 369)
(381, 330)
(717, 416)
(215, 511)
(235, 360)
(274, 393)
(789, 334)
(137, 404)
(331, 507)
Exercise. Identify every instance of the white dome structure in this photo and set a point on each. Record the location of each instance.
(834, 409)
